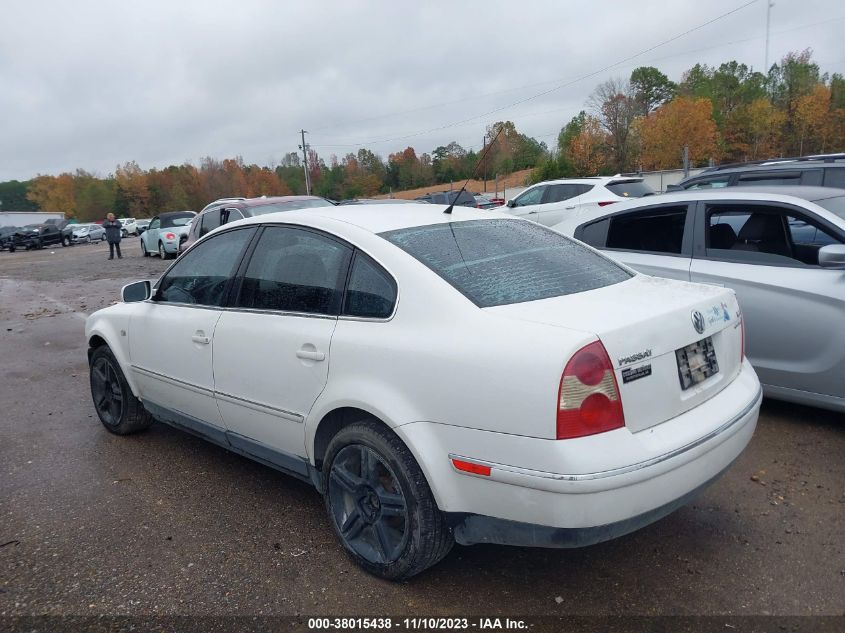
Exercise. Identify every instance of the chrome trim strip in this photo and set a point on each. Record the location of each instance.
(260, 407)
(205, 391)
(624, 469)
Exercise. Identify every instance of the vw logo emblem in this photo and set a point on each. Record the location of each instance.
(698, 321)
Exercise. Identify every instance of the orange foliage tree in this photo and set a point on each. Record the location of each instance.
(682, 121)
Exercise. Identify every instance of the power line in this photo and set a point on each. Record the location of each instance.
(550, 90)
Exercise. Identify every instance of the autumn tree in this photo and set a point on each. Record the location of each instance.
(615, 107)
(588, 149)
(753, 131)
(53, 193)
(681, 122)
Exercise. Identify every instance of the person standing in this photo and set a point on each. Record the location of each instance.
(113, 235)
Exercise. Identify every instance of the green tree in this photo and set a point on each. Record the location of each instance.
(651, 88)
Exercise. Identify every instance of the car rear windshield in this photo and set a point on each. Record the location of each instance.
(834, 205)
(288, 206)
(176, 220)
(630, 188)
(499, 262)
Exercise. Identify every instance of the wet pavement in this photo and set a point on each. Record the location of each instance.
(164, 523)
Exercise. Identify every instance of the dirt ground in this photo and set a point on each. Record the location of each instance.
(164, 523)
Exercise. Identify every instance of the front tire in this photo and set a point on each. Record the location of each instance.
(144, 250)
(117, 407)
(380, 505)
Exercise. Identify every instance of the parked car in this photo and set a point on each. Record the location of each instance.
(66, 227)
(35, 236)
(231, 209)
(782, 249)
(825, 170)
(88, 233)
(128, 226)
(482, 202)
(141, 225)
(550, 202)
(492, 381)
(7, 236)
(164, 232)
(457, 198)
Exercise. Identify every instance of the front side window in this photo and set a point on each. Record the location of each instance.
(371, 292)
(532, 196)
(201, 275)
(656, 230)
(154, 224)
(500, 262)
(294, 270)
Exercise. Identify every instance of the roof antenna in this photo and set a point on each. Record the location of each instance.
(480, 160)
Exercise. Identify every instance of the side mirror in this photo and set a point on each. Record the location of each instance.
(138, 291)
(511, 204)
(673, 188)
(183, 238)
(832, 256)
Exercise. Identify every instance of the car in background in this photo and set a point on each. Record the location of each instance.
(88, 233)
(483, 202)
(164, 232)
(128, 226)
(228, 210)
(380, 201)
(782, 249)
(438, 378)
(457, 198)
(7, 236)
(141, 225)
(36, 236)
(824, 170)
(550, 202)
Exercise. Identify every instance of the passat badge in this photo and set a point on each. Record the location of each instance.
(698, 321)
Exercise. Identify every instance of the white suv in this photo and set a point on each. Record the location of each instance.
(551, 202)
(128, 226)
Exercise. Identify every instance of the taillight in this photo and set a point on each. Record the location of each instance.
(588, 398)
(604, 204)
(741, 338)
(170, 236)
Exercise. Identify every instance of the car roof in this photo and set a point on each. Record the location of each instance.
(820, 161)
(377, 218)
(778, 193)
(168, 214)
(591, 180)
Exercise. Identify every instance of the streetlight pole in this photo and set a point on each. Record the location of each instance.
(304, 149)
(769, 5)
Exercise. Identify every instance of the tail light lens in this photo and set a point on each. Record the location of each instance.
(588, 398)
(170, 236)
(604, 204)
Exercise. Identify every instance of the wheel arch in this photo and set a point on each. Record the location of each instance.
(106, 333)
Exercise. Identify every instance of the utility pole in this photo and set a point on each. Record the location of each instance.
(304, 149)
(483, 147)
(769, 5)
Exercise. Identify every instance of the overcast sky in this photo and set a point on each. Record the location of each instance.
(92, 85)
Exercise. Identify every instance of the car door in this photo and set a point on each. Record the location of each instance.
(171, 336)
(272, 347)
(655, 240)
(149, 237)
(768, 253)
(559, 200)
(527, 204)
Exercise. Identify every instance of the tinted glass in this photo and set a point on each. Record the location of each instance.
(834, 177)
(710, 183)
(201, 275)
(630, 189)
(176, 220)
(288, 206)
(233, 214)
(294, 270)
(834, 205)
(559, 193)
(371, 292)
(210, 221)
(654, 230)
(771, 178)
(499, 262)
(530, 197)
(595, 234)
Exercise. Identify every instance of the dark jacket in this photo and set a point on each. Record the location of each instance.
(113, 233)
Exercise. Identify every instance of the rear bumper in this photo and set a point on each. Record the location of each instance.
(575, 492)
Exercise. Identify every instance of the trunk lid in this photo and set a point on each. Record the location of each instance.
(642, 323)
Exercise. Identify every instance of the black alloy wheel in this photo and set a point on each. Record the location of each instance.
(117, 407)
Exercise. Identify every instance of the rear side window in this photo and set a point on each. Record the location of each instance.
(770, 178)
(500, 262)
(294, 270)
(658, 230)
(176, 220)
(630, 189)
(371, 292)
(834, 177)
(209, 221)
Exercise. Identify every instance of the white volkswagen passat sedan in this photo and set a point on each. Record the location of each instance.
(470, 377)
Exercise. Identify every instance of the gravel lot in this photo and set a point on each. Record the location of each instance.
(164, 523)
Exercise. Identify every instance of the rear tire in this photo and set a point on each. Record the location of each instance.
(117, 407)
(380, 504)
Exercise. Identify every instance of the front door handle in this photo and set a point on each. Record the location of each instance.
(200, 337)
(533, 212)
(306, 354)
(572, 207)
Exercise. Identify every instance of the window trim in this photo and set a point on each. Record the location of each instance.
(700, 234)
(686, 240)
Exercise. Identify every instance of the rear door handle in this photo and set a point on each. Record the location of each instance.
(310, 355)
(572, 207)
